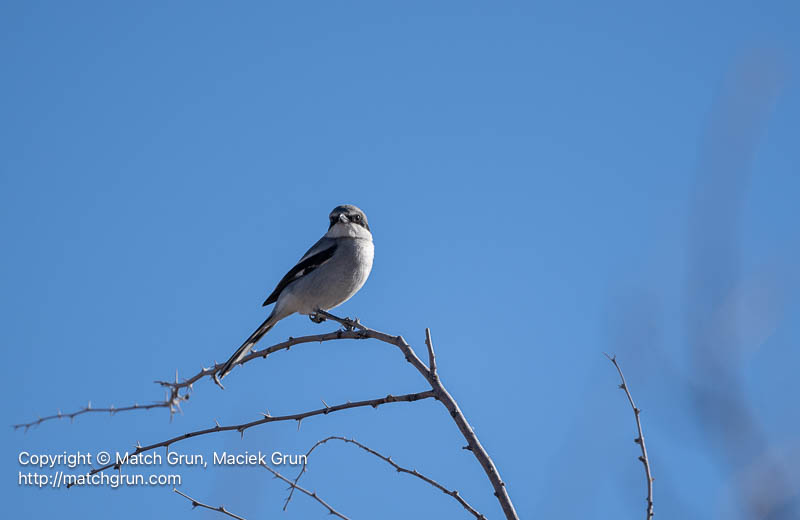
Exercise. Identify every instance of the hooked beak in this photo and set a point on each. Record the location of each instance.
(343, 218)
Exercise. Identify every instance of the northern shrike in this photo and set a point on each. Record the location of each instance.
(328, 275)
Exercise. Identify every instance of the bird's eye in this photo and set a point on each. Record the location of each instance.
(357, 218)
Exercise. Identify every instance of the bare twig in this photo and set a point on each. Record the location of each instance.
(268, 418)
(88, 409)
(638, 440)
(195, 503)
(312, 494)
(400, 469)
(431, 355)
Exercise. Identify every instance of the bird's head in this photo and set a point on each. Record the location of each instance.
(347, 220)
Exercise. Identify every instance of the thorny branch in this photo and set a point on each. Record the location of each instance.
(638, 440)
(174, 388)
(267, 419)
(400, 469)
(353, 329)
(195, 503)
(88, 409)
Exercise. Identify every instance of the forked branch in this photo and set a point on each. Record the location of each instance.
(312, 494)
(400, 469)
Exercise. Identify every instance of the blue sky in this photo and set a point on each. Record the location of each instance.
(545, 183)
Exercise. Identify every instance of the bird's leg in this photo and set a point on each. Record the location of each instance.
(347, 323)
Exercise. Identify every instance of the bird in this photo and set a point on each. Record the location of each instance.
(326, 276)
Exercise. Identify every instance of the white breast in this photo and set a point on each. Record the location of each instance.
(336, 280)
(349, 230)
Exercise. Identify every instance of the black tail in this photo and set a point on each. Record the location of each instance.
(245, 348)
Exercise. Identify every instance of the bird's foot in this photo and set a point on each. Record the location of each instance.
(317, 317)
(217, 381)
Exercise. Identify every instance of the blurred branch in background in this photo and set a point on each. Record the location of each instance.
(725, 314)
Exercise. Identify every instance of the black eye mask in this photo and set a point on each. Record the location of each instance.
(358, 219)
(354, 218)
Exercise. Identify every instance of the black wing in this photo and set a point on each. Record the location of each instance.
(302, 268)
